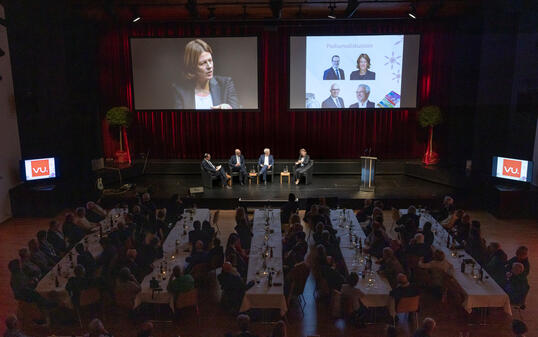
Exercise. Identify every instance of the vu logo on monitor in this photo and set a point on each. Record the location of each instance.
(512, 168)
(40, 168)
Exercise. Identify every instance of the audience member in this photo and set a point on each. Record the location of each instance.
(427, 328)
(428, 234)
(233, 287)
(76, 284)
(46, 247)
(517, 285)
(475, 244)
(56, 238)
(522, 256)
(12, 327)
(94, 212)
(30, 269)
(71, 231)
(288, 209)
(390, 268)
(81, 221)
(86, 259)
(197, 234)
(403, 289)
(244, 321)
(352, 297)
(146, 330)
(244, 232)
(127, 283)
(180, 283)
(519, 328)
(38, 257)
(97, 329)
(496, 263)
(198, 256)
(206, 228)
(235, 254)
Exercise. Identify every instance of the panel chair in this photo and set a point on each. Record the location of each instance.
(407, 305)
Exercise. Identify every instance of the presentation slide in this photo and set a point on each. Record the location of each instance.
(363, 71)
(195, 73)
(513, 169)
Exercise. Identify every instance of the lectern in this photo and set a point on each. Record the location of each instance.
(368, 173)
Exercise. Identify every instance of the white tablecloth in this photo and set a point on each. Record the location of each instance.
(374, 287)
(176, 249)
(47, 285)
(478, 294)
(261, 296)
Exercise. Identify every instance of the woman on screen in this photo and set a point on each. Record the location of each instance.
(201, 89)
(363, 64)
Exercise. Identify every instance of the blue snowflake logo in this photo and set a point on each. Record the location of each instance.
(392, 60)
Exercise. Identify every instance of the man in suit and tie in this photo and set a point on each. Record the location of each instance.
(363, 92)
(334, 72)
(215, 171)
(265, 162)
(333, 102)
(237, 164)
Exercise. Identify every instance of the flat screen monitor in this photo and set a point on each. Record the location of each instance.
(39, 169)
(512, 169)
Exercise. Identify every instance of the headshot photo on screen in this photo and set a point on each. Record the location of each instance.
(363, 66)
(334, 101)
(334, 72)
(195, 73)
(363, 92)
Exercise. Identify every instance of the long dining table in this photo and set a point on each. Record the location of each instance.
(265, 257)
(375, 289)
(485, 293)
(176, 249)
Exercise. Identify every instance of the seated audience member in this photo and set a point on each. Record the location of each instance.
(366, 211)
(462, 228)
(56, 238)
(46, 247)
(288, 208)
(301, 247)
(108, 257)
(127, 284)
(279, 329)
(475, 244)
(447, 208)
(233, 287)
(411, 214)
(206, 228)
(403, 289)
(333, 277)
(12, 327)
(519, 328)
(148, 208)
(352, 296)
(22, 285)
(30, 269)
(198, 256)
(71, 231)
(245, 234)
(378, 245)
(121, 236)
(160, 227)
(216, 253)
(81, 221)
(134, 268)
(312, 217)
(496, 263)
(94, 212)
(517, 285)
(96, 329)
(197, 234)
(427, 328)
(407, 230)
(86, 259)
(141, 221)
(76, 284)
(390, 267)
(38, 257)
(235, 254)
(522, 256)
(451, 222)
(146, 330)
(244, 321)
(418, 248)
(318, 233)
(174, 208)
(331, 246)
(149, 251)
(438, 262)
(180, 283)
(428, 234)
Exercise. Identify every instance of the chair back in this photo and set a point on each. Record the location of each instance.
(299, 275)
(408, 304)
(347, 306)
(89, 296)
(188, 299)
(124, 298)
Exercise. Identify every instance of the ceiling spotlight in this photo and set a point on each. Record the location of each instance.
(412, 12)
(136, 16)
(331, 15)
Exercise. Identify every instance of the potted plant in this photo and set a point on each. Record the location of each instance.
(120, 116)
(430, 116)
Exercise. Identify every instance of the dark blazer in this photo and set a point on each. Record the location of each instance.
(306, 162)
(329, 103)
(233, 160)
(329, 74)
(370, 75)
(222, 90)
(369, 104)
(207, 167)
(57, 240)
(262, 159)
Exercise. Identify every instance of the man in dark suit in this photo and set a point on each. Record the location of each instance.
(363, 92)
(265, 162)
(215, 171)
(334, 72)
(333, 102)
(237, 164)
(56, 238)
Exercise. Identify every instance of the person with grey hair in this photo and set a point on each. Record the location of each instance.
(265, 163)
(12, 327)
(237, 164)
(363, 92)
(333, 101)
(426, 330)
(96, 329)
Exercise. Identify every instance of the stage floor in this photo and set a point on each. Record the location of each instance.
(346, 187)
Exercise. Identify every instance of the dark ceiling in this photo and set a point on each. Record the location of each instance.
(174, 10)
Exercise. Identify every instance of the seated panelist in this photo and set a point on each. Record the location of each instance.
(237, 164)
(301, 165)
(214, 171)
(265, 163)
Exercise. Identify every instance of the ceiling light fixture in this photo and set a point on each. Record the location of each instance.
(331, 15)
(136, 16)
(412, 12)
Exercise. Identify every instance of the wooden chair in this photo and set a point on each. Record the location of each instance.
(336, 303)
(88, 297)
(299, 276)
(186, 300)
(408, 305)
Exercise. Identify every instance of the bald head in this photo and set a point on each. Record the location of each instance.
(428, 325)
(335, 90)
(237, 152)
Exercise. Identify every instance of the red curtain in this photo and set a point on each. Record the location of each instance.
(326, 134)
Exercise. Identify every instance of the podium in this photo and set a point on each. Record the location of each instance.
(368, 173)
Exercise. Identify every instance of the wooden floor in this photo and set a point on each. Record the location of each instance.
(213, 321)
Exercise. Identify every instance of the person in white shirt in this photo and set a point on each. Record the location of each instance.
(237, 164)
(265, 163)
(215, 171)
(363, 92)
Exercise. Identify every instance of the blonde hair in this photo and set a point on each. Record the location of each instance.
(193, 50)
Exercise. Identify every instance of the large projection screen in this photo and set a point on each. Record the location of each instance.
(165, 77)
(361, 71)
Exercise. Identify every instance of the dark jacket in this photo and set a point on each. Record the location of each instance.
(222, 90)
(330, 74)
(356, 75)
